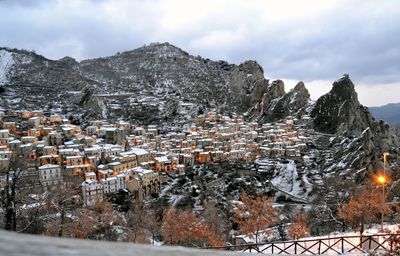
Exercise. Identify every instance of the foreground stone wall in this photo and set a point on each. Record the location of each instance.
(13, 244)
(20, 244)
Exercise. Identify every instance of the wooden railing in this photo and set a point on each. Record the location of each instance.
(332, 245)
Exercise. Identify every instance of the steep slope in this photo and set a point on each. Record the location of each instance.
(168, 84)
(30, 81)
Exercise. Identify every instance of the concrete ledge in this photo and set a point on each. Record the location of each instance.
(21, 244)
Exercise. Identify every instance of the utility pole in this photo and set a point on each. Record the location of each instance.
(385, 154)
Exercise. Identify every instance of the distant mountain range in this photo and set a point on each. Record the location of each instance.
(389, 113)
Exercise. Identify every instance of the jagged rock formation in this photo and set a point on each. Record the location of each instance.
(339, 111)
(273, 93)
(291, 103)
(361, 141)
(276, 104)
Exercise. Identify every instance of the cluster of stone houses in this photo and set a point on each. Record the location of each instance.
(105, 157)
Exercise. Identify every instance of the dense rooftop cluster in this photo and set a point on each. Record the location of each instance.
(105, 157)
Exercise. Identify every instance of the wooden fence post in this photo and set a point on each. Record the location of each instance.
(342, 245)
(319, 247)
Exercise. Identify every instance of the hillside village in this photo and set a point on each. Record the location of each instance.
(104, 158)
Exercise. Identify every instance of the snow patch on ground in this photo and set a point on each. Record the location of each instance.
(6, 62)
(286, 177)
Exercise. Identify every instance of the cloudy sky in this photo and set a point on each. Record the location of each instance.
(314, 41)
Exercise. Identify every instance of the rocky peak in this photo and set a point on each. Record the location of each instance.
(281, 105)
(339, 111)
(158, 50)
(68, 60)
(275, 90)
(156, 83)
(252, 68)
(300, 87)
(299, 95)
(343, 89)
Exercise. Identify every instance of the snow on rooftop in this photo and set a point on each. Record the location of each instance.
(140, 170)
(162, 159)
(48, 156)
(48, 166)
(138, 151)
(114, 163)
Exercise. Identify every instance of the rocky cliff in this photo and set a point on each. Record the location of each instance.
(360, 140)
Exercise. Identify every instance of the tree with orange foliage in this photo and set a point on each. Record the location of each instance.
(299, 228)
(254, 215)
(363, 208)
(184, 228)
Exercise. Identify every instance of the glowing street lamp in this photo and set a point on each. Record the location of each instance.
(381, 180)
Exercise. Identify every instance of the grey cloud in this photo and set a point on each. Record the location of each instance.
(352, 39)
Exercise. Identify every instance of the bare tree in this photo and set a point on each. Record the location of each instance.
(83, 225)
(107, 219)
(136, 220)
(60, 202)
(11, 196)
(152, 222)
(216, 217)
(21, 212)
(143, 221)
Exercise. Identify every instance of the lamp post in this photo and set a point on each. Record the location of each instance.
(382, 180)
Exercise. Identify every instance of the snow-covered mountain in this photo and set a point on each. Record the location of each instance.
(152, 84)
(163, 84)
